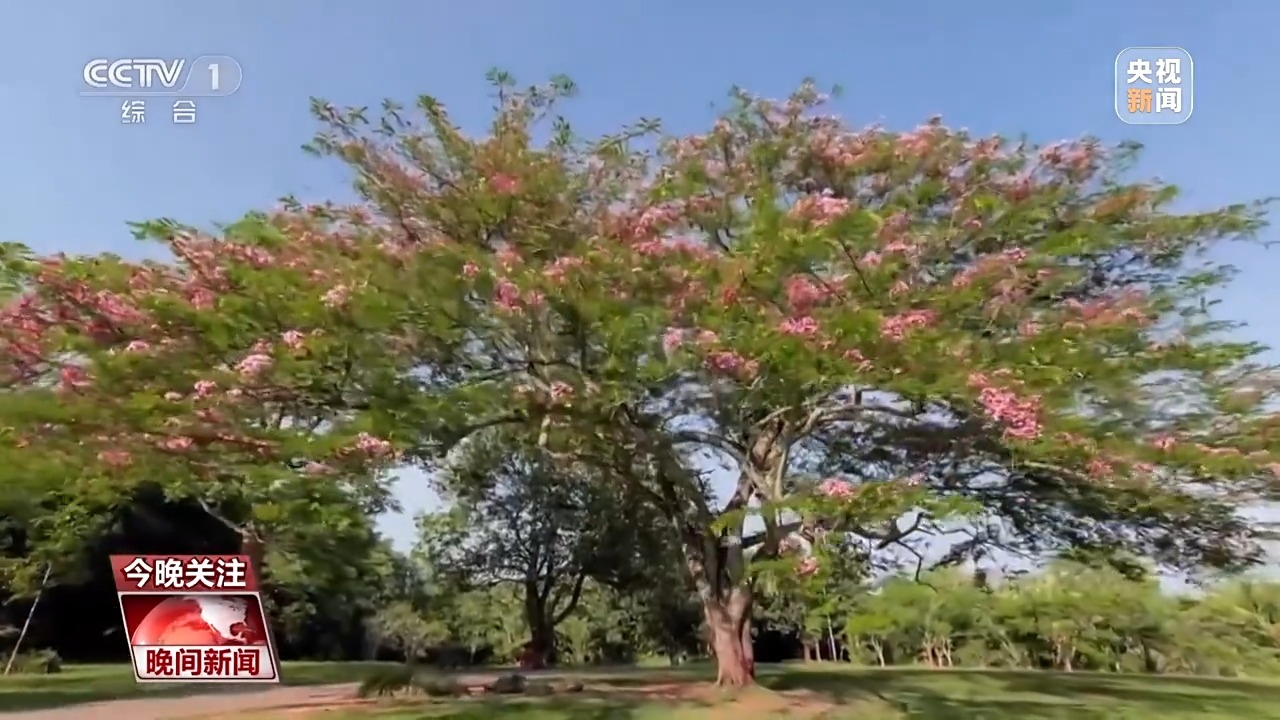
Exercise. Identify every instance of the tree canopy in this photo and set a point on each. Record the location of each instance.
(881, 336)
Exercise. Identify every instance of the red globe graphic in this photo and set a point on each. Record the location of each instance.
(201, 620)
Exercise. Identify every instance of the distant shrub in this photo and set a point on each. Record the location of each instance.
(37, 662)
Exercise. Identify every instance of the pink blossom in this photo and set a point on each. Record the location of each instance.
(871, 259)
(115, 458)
(336, 296)
(561, 391)
(800, 327)
(672, 339)
(556, 271)
(372, 446)
(855, 356)
(820, 209)
(470, 270)
(1164, 442)
(72, 377)
(176, 443)
(534, 298)
(254, 364)
(896, 327)
(656, 218)
(137, 346)
(707, 337)
(504, 184)
(317, 469)
(808, 566)
(205, 388)
(836, 488)
(1098, 468)
(899, 288)
(1029, 328)
(509, 259)
(731, 363)
(201, 298)
(1014, 255)
(506, 295)
(1020, 416)
(803, 294)
(293, 339)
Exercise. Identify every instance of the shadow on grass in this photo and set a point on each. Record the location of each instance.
(100, 683)
(578, 707)
(1035, 695)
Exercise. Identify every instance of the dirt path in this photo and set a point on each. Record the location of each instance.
(236, 702)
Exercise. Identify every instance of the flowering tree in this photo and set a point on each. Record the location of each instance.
(946, 325)
(957, 333)
(231, 377)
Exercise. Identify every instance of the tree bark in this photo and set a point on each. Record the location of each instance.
(540, 652)
(730, 626)
(251, 545)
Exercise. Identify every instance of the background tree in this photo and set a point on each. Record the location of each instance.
(519, 516)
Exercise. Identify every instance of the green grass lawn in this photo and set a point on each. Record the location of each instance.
(838, 693)
(90, 683)
(819, 691)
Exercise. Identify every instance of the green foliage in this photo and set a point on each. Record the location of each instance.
(402, 626)
(1067, 617)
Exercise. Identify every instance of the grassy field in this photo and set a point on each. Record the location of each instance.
(815, 692)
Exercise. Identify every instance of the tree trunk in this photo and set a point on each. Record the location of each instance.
(252, 546)
(26, 624)
(540, 652)
(730, 626)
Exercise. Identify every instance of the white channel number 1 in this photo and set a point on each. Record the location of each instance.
(213, 73)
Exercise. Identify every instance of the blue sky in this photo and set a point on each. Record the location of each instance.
(73, 174)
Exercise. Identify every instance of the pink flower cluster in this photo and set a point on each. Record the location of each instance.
(372, 446)
(254, 364)
(804, 294)
(336, 297)
(799, 327)
(1020, 416)
(504, 184)
(821, 209)
(561, 392)
(506, 295)
(556, 271)
(729, 362)
(896, 327)
(837, 488)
